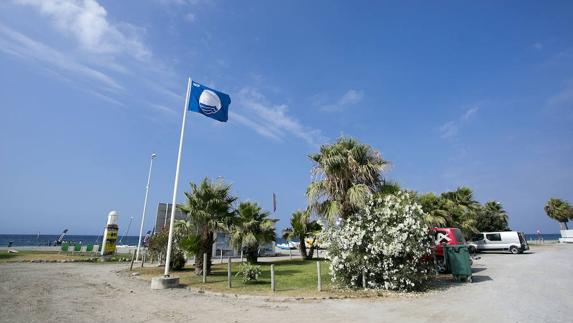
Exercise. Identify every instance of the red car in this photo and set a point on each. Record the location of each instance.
(449, 236)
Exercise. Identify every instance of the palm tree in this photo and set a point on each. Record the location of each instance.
(463, 209)
(559, 210)
(455, 209)
(388, 188)
(301, 228)
(492, 217)
(344, 175)
(250, 229)
(208, 208)
(436, 214)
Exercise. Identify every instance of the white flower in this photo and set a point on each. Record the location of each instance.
(387, 239)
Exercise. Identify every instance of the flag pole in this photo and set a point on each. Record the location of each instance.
(173, 205)
(153, 156)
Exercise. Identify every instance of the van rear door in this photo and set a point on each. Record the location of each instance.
(524, 244)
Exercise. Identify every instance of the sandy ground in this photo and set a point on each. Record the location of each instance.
(534, 287)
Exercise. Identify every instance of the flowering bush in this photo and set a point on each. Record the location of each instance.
(386, 240)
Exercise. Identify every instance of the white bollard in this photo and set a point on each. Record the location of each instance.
(229, 272)
(273, 278)
(319, 286)
(204, 268)
(364, 278)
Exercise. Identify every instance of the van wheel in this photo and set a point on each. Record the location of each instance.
(472, 249)
(514, 250)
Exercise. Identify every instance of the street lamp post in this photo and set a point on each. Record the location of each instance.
(153, 156)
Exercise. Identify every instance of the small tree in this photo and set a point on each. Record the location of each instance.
(436, 213)
(158, 246)
(559, 210)
(301, 229)
(250, 229)
(455, 209)
(492, 217)
(187, 237)
(208, 208)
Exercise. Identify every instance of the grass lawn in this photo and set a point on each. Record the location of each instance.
(293, 278)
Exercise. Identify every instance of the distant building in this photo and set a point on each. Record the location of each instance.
(164, 215)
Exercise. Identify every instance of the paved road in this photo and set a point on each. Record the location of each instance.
(534, 287)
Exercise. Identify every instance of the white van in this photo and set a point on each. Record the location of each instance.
(512, 241)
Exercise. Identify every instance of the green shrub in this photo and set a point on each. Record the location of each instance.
(158, 245)
(177, 260)
(249, 272)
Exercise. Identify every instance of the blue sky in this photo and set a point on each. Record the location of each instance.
(452, 93)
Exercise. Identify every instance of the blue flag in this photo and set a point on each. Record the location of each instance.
(209, 102)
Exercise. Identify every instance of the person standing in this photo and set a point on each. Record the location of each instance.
(146, 239)
(539, 236)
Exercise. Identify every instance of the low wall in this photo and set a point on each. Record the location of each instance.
(119, 249)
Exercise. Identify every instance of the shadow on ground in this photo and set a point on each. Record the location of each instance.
(480, 278)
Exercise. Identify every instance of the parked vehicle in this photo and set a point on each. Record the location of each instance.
(445, 236)
(511, 241)
(449, 236)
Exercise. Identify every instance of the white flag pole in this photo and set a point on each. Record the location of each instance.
(173, 205)
(153, 156)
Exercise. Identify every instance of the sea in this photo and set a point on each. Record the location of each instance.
(546, 237)
(30, 240)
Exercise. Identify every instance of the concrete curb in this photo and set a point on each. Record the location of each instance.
(90, 260)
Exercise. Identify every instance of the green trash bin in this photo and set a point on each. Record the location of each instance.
(458, 260)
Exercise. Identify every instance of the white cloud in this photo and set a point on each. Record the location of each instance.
(104, 50)
(563, 97)
(469, 113)
(271, 120)
(15, 43)
(190, 17)
(348, 99)
(181, 2)
(259, 128)
(162, 109)
(451, 128)
(538, 46)
(87, 22)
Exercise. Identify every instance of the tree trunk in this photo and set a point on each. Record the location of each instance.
(565, 225)
(252, 254)
(206, 247)
(302, 248)
(311, 251)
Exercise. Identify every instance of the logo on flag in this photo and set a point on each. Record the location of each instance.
(209, 102)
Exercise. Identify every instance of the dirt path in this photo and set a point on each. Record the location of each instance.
(509, 288)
